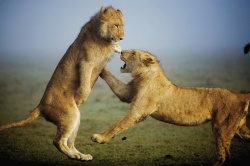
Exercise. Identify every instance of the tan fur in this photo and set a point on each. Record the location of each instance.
(152, 94)
(74, 77)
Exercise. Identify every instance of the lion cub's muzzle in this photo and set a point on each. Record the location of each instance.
(124, 60)
(114, 39)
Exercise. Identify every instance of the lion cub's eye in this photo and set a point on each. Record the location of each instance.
(117, 26)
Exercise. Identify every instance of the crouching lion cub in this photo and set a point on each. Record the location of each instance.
(74, 77)
(151, 93)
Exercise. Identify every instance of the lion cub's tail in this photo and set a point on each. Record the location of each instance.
(30, 118)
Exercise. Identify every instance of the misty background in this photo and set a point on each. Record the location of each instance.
(178, 32)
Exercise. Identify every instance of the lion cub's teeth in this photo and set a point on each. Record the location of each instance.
(123, 67)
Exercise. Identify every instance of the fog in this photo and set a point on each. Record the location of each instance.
(172, 28)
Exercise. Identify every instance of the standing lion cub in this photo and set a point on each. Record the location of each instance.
(152, 94)
(75, 75)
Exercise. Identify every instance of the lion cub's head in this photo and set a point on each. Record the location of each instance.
(138, 61)
(111, 24)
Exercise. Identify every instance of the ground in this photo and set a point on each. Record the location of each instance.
(151, 142)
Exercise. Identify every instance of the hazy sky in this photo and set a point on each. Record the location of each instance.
(163, 27)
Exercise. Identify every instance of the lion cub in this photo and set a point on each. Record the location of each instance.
(152, 94)
(75, 75)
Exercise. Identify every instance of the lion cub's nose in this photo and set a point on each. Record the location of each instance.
(121, 52)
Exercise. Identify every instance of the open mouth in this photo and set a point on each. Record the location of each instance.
(124, 66)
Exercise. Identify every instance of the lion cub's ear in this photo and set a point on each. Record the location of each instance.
(147, 60)
(120, 11)
(103, 10)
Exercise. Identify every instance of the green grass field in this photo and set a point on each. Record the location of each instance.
(151, 142)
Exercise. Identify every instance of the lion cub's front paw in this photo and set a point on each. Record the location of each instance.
(81, 96)
(117, 48)
(79, 99)
(98, 138)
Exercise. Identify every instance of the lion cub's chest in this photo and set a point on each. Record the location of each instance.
(99, 62)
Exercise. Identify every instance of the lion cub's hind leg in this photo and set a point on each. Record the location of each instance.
(65, 137)
(243, 131)
(71, 144)
(224, 131)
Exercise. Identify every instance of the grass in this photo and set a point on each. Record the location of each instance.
(150, 142)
